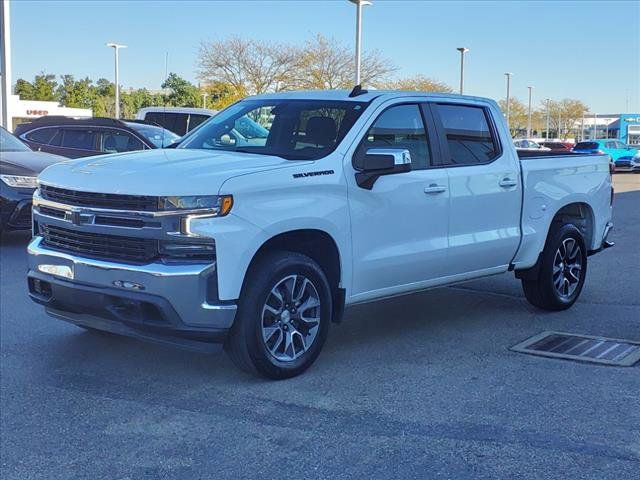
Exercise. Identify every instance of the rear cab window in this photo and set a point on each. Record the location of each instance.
(470, 136)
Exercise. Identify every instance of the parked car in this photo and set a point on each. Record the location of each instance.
(558, 146)
(351, 197)
(19, 168)
(625, 157)
(524, 144)
(75, 138)
(177, 119)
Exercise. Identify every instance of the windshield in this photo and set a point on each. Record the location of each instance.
(9, 143)
(291, 129)
(160, 137)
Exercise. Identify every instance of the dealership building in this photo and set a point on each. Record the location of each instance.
(21, 111)
(622, 126)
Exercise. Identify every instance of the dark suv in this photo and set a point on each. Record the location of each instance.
(74, 138)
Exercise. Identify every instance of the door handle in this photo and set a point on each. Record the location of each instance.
(507, 182)
(433, 188)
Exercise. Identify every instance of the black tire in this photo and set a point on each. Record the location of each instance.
(245, 344)
(541, 290)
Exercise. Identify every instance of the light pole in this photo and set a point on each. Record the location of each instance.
(508, 75)
(529, 114)
(5, 65)
(548, 117)
(116, 47)
(462, 51)
(359, 4)
(204, 100)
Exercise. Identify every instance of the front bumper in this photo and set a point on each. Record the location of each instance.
(164, 303)
(15, 208)
(627, 165)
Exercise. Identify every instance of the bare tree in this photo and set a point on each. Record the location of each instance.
(564, 115)
(249, 66)
(253, 67)
(419, 83)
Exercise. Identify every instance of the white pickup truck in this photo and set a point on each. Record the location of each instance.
(340, 197)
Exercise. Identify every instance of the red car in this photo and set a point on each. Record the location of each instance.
(558, 146)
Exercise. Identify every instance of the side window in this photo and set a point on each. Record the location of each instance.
(79, 138)
(176, 122)
(45, 136)
(114, 141)
(610, 145)
(195, 120)
(399, 127)
(470, 139)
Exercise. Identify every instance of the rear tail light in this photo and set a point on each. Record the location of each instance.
(599, 152)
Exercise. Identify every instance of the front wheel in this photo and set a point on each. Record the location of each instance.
(283, 316)
(562, 270)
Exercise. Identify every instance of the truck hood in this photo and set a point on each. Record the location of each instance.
(159, 172)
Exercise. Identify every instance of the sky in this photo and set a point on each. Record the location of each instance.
(589, 50)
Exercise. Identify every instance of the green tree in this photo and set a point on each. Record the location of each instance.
(77, 94)
(44, 87)
(182, 93)
(133, 100)
(24, 90)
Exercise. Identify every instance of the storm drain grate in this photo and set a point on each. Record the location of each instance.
(584, 348)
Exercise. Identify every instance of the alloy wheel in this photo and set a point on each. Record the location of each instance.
(291, 318)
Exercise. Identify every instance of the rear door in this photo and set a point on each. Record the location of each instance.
(485, 186)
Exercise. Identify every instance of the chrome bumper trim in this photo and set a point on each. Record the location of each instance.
(183, 286)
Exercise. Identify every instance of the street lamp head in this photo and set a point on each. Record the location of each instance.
(361, 2)
(508, 74)
(462, 49)
(116, 45)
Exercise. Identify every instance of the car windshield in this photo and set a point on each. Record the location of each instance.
(9, 143)
(160, 137)
(291, 129)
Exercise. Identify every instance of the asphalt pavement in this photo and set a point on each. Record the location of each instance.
(422, 386)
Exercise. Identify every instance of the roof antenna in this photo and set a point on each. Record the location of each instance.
(357, 90)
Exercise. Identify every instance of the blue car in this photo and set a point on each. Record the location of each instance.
(625, 157)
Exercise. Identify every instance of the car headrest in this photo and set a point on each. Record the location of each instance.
(321, 131)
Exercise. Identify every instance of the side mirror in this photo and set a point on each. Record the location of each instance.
(382, 161)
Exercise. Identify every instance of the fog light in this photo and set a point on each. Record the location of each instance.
(175, 250)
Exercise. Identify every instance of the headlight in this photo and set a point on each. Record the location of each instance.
(217, 205)
(20, 181)
(636, 157)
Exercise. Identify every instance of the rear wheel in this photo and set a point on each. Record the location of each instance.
(561, 272)
(283, 316)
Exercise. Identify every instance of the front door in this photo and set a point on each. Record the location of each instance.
(400, 226)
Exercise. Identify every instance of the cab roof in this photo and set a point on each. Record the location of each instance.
(366, 96)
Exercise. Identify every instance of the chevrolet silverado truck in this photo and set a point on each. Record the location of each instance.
(349, 197)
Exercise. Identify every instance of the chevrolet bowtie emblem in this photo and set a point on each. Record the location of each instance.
(72, 216)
